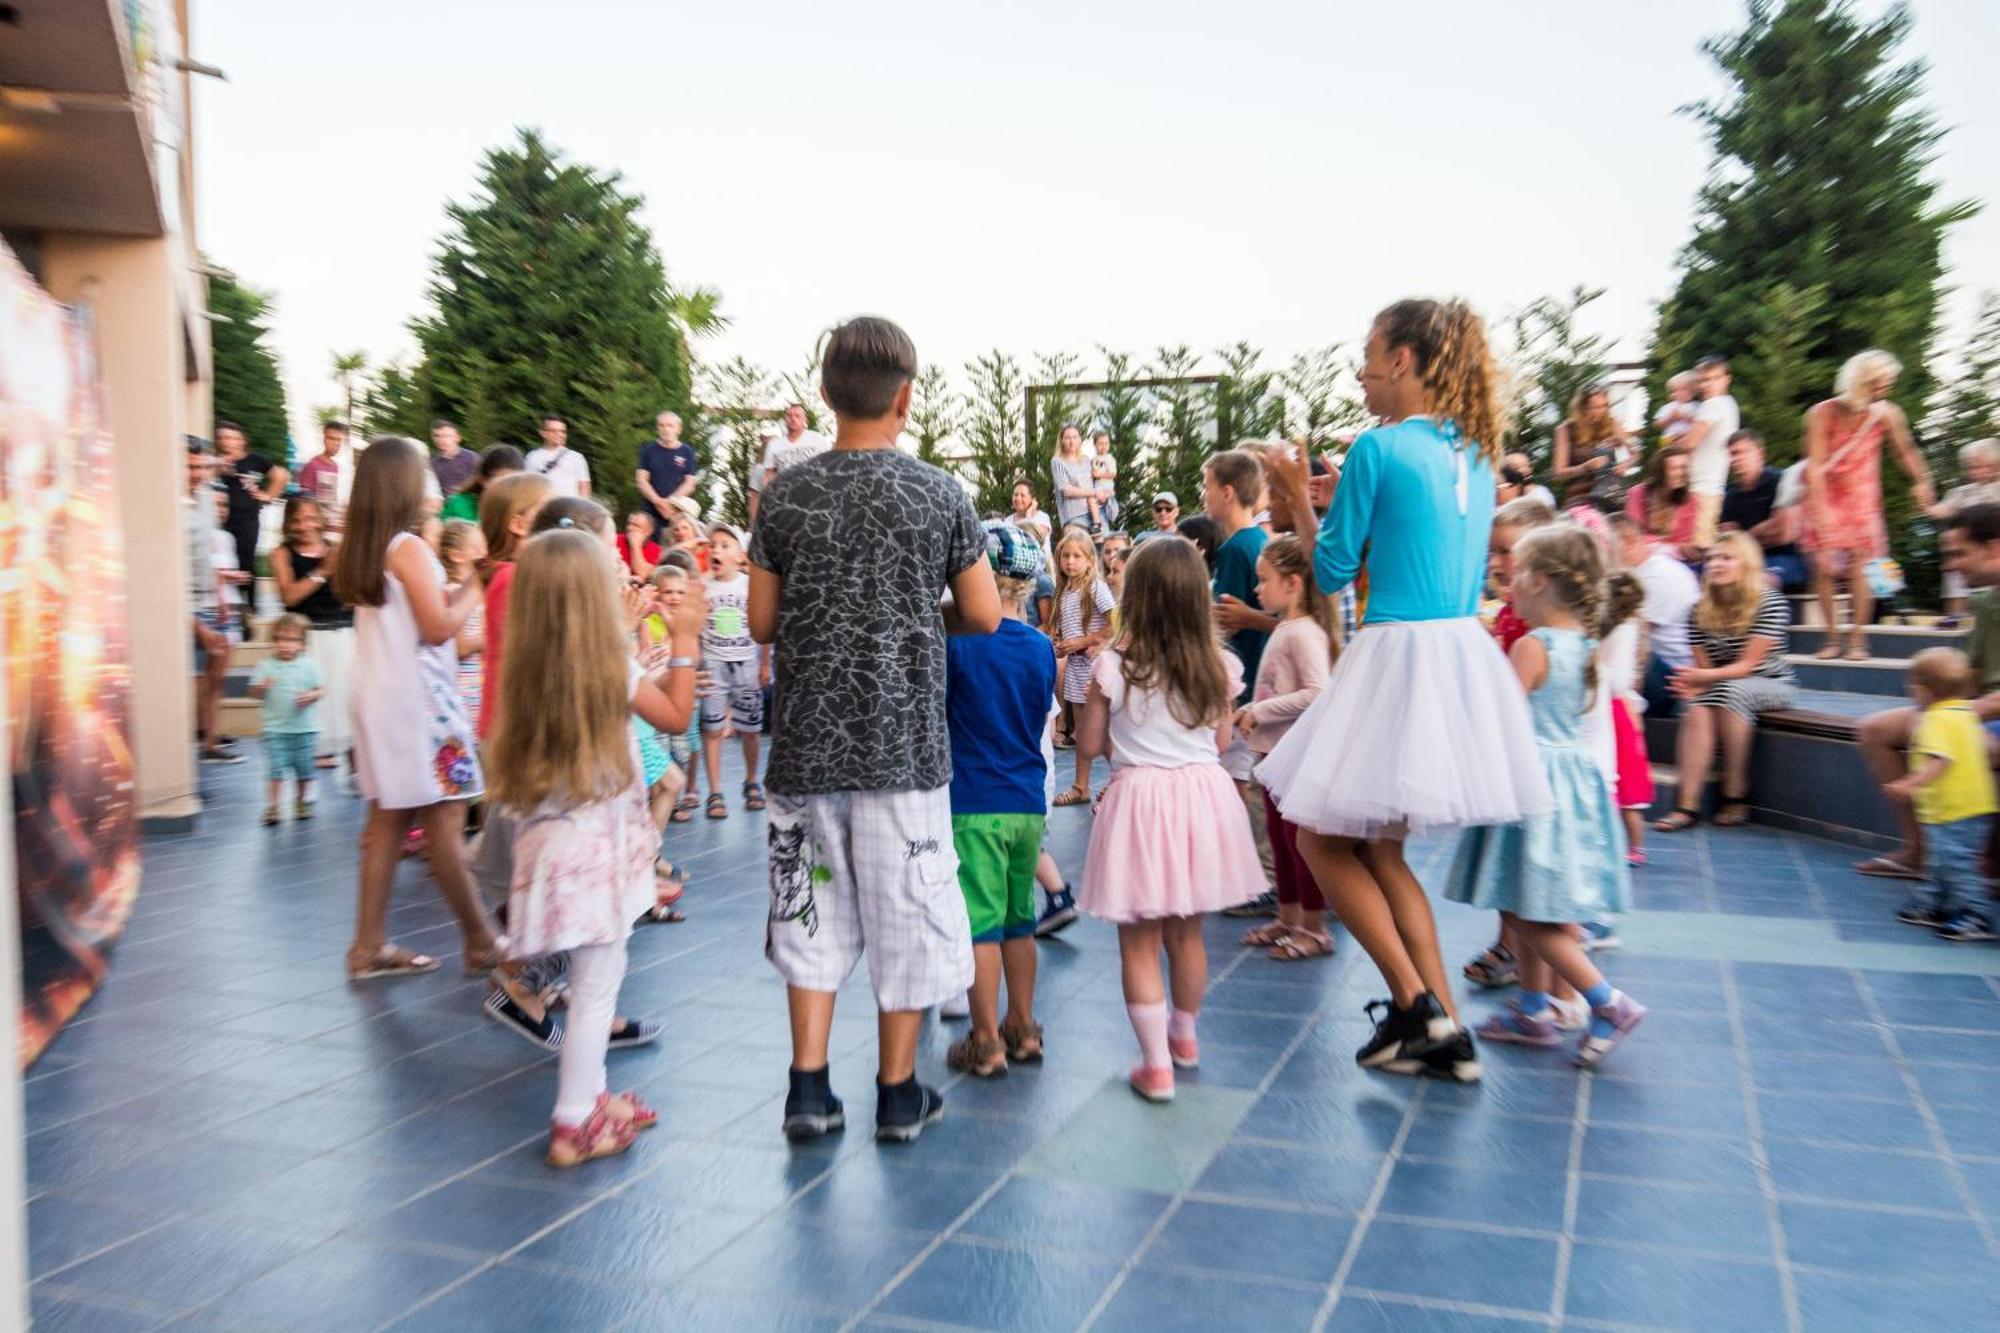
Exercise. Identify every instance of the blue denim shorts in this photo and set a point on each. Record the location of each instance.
(1953, 852)
(290, 754)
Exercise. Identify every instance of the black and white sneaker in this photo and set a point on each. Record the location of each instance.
(1919, 912)
(1966, 927)
(1404, 1038)
(1058, 915)
(221, 753)
(1454, 1059)
(811, 1109)
(546, 1033)
(636, 1032)
(902, 1111)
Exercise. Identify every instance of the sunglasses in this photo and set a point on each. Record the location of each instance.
(1163, 509)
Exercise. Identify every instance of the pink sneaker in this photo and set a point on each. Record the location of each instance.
(1186, 1054)
(1521, 1029)
(1636, 857)
(1155, 1085)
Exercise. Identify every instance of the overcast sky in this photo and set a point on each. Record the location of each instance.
(1034, 176)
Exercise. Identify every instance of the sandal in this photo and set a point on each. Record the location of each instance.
(981, 1057)
(626, 1107)
(1065, 740)
(1263, 937)
(1300, 945)
(1887, 867)
(390, 961)
(600, 1135)
(684, 810)
(753, 796)
(718, 807)
(1830, 653)
(1856, 654)
(1734, 813)
(1075, 794)
(1024, 1041)
(1679, 821)
(1495, 969)
(479, 964)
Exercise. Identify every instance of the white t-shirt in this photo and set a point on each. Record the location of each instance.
(785, 453)
(1674, 418)
(1144, 730)
(224, 595)
(565, 468)
(1708, 465)
(726, 635)
(1671, 592)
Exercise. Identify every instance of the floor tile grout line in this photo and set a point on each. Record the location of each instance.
(1760, 1157)
(1369, 1208)
(1478, 1309)
(1967, 1199)
(1572, 1191)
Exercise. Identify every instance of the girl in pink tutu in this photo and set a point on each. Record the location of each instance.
(1170, 841)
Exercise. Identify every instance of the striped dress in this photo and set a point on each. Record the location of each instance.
(1771, 684)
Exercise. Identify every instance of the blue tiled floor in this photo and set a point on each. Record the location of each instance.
(1803, 1137)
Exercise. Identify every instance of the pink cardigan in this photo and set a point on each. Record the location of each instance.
(1290, 676)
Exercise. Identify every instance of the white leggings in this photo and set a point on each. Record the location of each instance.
(596, 972)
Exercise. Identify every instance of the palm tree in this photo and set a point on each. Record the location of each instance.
(346, 366)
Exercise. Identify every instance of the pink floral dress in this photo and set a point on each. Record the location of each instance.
(583, 875)
(1853, 481)
(412, 741)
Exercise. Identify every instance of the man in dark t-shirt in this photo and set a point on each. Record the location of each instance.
(666, 468)
(252, 482)
(853, 551)
(453, 465)
(1751, 506)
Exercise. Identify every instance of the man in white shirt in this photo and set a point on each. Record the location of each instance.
(1707, 444)
(1670, 594)
(795, 446)
(567, 470)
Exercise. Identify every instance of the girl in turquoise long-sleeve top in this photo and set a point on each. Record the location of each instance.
(1421, 726)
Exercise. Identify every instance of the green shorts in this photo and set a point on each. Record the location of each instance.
(996, 873)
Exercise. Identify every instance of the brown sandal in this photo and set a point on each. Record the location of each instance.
(1075, 794)
(1264, 936)
(1299, 945)
(389, 961)
(1024, 1041)
(981, 1057)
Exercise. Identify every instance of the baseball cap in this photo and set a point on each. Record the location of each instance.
(732, 530)
(1014, 555)
(1167, 497)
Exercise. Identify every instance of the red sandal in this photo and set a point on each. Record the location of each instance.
(602, 1134)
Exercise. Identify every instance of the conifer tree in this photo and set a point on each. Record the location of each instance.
(246, 388)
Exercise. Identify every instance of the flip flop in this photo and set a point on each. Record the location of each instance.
(390, 961)
(1073, 795)
(1886, 867)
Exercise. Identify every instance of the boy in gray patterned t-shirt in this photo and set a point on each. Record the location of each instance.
(851, 557)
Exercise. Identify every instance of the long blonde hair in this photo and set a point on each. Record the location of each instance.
(1447, 342)
(1167, 633)
(1289, 557)
(1731, 608)
(1064, 584)
(562, 734)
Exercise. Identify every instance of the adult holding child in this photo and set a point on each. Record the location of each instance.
(1075, 491)
(1843, 504)
(1421, 725)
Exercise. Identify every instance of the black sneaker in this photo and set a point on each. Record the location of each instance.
(811, 1109)
(1058, 916)
(1403, 1036)
(636, 1032)
(546, 1033)
(221, 754)
(902, 1110)
(1967, 927)
(1918, 912)
(1454, 1059)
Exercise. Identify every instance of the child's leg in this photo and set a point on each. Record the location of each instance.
(711, 753)
(1635, 830)
(753, 743)
(1048, 874)
(276, 789)
(1145, 990)
(1363, 906)
(984, 997)
(1556, 942)
(1415, 925)
(596, 973)
(1187, 963)
(1018, 960)
(381, 849)
(444, 825)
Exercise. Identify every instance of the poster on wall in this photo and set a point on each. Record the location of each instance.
(62, 607)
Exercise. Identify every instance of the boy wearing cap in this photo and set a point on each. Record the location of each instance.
(999, 689)
(737, 669)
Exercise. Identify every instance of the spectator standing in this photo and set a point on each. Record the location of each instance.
(795, 446)
(252, 481)
(567, 470)
(1843, 505)
(1076, 493)
(211, 646)
(1751, 505)
(666, 468)
(454, 466)
(320, 475)
(1716, 421)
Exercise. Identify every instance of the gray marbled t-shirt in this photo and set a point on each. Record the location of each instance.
(866, 542)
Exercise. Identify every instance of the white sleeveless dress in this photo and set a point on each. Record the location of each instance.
(412, 743)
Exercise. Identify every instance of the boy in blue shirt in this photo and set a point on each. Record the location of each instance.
(998, 691)
(288, 684)
(1232, 487)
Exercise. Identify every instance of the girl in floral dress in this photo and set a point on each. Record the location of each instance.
(413, 747)
(567, 771)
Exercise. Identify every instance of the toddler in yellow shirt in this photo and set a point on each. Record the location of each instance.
(1950, 784)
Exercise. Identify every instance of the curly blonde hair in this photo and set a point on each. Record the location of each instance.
(1447, 341)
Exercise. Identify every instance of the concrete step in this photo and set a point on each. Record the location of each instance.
(1878, 675)
(1899, 641)
(243, 656)
(240, 717)
(1806, 770)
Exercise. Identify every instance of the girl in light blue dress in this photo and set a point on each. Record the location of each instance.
(1549, 872)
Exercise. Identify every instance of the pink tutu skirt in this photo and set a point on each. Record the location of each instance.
(1169, 842)
(1635, 773)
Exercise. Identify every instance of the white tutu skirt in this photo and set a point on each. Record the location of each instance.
(1422, 725)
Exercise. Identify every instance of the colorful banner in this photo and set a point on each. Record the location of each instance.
(62, 606)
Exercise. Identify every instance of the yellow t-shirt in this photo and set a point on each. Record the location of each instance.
(1951, 731)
